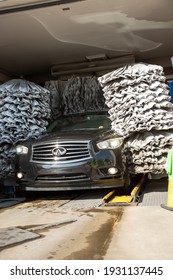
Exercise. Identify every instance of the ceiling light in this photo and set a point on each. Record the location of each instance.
(172, 61)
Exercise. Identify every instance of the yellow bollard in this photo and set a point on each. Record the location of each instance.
(169, 169)
(169, 205)
(170, 193)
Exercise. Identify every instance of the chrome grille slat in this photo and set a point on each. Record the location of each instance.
(56, 144)
(75, 151)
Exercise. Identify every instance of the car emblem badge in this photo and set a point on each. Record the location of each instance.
(59, 151)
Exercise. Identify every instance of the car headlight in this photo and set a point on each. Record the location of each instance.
(110, 144)
(21, 150)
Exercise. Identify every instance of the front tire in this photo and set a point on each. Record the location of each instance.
(130, 181)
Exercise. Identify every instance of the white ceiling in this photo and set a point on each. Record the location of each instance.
(32, 40)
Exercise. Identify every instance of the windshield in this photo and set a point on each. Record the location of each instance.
(81, 122)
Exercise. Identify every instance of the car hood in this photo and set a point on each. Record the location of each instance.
(75, 135)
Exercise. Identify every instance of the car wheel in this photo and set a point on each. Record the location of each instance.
(131, 180)
(128, 182)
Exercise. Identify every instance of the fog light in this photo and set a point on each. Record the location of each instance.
(112, 170)
(19, 175)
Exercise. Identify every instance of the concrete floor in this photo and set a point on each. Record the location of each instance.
(146, 231)
(143, 232)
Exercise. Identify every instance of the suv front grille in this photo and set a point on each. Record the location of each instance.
(73, 151)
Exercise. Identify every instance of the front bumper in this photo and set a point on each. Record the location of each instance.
(87, 174)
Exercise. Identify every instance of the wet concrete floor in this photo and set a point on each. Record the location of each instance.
(84, 228)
